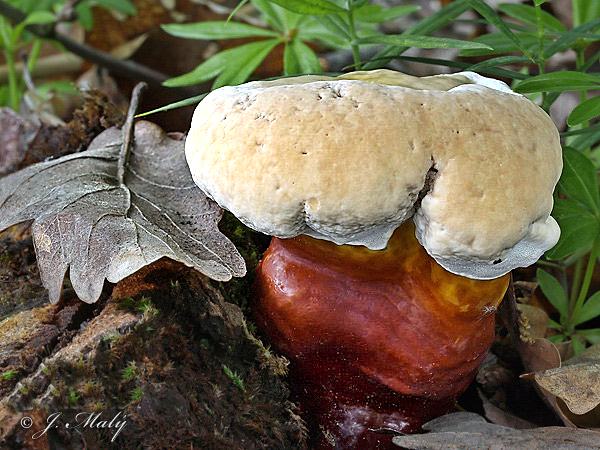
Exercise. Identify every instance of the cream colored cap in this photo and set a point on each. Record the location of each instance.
(349, 159)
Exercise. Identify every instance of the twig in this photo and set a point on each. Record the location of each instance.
(125, 68)
(128, 131)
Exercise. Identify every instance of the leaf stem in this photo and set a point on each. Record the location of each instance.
(354, 37)
(128, 131)
(587, 279)
(13, 91)
(575, 285)
(580, 62)
(541, 61)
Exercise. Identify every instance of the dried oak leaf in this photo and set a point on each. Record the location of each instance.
(576, 382)
(465, 430)
(85, 220)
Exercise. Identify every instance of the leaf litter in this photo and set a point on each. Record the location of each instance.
(466, 430)
(125, 202)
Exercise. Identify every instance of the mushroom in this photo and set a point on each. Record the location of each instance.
(384, 319)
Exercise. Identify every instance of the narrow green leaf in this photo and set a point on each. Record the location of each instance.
(216, 30)
(235, 10)
(527, 15)
(459, 65)
(565, 41)
(578, 180)
(85, 18)
(500, 44)
(426, 26)
(554, 292)
(335, 25)
(271, 13)
(590, 309)
(578, 229)
(309, 6)
(589, 37)
(499, 61)
(585, 10)
(123, 6)
(186, 102)
(493, 18)
(591, 129)
(403, 40)
(299, 58)
(209, 69)
(39, 17)
(554, 325)
(557, 338)
(586, 141)
(239, 69)
(539, 2)
(592, 335)
(559, 82)
(588, 110)
(578, 346)
(379, 14)
(328, 38)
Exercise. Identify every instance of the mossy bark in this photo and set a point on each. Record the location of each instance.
(167, 351)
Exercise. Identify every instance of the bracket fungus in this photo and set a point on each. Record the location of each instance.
(398, 206)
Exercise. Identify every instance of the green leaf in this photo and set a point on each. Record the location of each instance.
(592, 335)
(554, 292)
(403, 40)
(588, 110)
(591, 129)
(559, 82)
(235, 10)
(39, 17)
(459, 65)
(557, 338)
(590, 309)
(554, 325)
(539, 2)
(379, 14)
(181, 103)
(271, 13)
(224, 61)
(499, 61)
(578, 346)
(299, 58)
(586, 10)
(585, 141)
(309, 6)
(335, 25)
(500, 44)
(428, 25)
(578, 180)
(319, 33)
(249, 58)
(85, 18)
(494, 19)
(568, 38)
(527, 15)
(209, 69)
(123, 6)
(216, 30)
(578, 228)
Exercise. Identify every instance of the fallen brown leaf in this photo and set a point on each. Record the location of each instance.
(101, 224)
(465, 430)
(577, 382)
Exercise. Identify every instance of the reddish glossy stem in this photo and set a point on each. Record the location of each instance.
(377, 339)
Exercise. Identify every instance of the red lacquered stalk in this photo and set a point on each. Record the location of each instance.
(377, 339)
